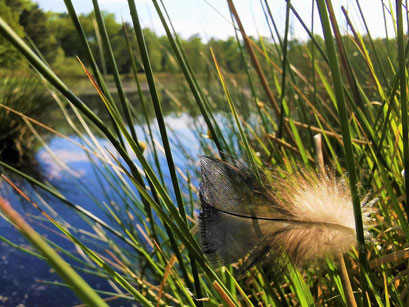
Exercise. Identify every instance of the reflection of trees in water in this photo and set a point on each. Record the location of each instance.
(95, 103)
(176, 97)
(26, 95)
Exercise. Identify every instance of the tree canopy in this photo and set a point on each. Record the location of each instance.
(56, 39)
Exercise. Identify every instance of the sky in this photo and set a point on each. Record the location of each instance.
(210, 18)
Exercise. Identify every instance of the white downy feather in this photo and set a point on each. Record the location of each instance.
(299, 218)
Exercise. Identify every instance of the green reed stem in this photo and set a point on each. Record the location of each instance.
(343, 117)
(79, 286)
(217, 137)
(162, 128)
(91, 59)
(403, 100)
(114, 67)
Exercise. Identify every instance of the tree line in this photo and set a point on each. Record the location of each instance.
(56, 39)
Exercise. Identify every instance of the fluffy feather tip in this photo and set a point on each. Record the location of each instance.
(299, 218)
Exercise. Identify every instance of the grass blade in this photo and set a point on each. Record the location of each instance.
(403, 100)
(349, 155)
(79, 286)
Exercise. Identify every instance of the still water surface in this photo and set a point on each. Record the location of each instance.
(21, 274)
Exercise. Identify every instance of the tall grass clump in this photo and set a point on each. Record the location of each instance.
(329, 115)
(21, 94)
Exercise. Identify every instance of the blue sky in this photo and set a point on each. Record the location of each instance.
(198, 17)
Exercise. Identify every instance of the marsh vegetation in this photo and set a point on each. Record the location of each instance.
(117, 131)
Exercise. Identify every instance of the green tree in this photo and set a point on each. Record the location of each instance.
(34, 21)
(194, 48)
(120, 48)
(154, 49)
(8, 54)
(63, 30)
(228, 54)
(17, 6)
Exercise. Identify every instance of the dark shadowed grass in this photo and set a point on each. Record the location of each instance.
(21, 93)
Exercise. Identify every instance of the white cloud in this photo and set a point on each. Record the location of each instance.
(67, 156)
(55, 171)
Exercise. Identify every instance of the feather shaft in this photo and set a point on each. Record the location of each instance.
(299, 218)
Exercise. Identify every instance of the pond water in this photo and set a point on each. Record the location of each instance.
(23, 276)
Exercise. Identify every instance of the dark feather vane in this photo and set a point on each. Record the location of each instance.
(298, 219)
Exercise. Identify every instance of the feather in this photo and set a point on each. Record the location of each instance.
(298, 218)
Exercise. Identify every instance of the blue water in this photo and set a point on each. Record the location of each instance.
(21, 275)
